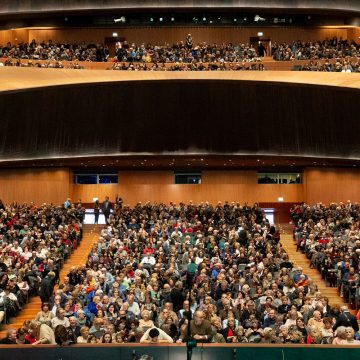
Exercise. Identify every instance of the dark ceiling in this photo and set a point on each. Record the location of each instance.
(60, 13)
(38, 6)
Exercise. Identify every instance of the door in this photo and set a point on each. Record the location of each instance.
(259, 42)
(110, 42)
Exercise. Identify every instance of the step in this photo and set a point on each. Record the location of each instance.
(300, 259)
(77, 258)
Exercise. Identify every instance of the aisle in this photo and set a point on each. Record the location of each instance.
(77, 258)
(300, 259)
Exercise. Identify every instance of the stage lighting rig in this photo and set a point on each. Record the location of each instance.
(121, 19)
(258, 18)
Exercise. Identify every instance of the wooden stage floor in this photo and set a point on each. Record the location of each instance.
(15, 79)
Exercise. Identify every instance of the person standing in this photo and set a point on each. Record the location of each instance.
(189, 41)
(261, 49)
(106, 208)
(96, 211)
(67, 203)
(346, 319)
(47, 287)
(119, 202)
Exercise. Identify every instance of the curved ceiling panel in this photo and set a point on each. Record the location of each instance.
(28, 6)
(180, 116)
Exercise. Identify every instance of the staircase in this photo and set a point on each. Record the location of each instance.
(77, 258)
(300, 259)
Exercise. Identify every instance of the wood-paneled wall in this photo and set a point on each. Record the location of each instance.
(158, 186)
(212, 193)
(86, 193)
(127, 178)
(14, 36)
(354, 34)
(160, 35)
(216, 186)
(331, 185)
(35, 185)
(55, 185)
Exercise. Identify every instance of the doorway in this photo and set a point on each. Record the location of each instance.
(257, 41)
(110, 42)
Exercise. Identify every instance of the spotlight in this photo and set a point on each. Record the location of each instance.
(121, 19)
(258, 18)
(172, 19)
(161, 19)
(235, 20)
(260, 33)
(114, 34)
(151, 19)
(204, 18)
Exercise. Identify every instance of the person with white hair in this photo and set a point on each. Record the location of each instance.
(349, 335)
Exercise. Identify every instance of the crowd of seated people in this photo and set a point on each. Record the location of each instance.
(126, 52)
(341, 65)
(194, 66)
(178, 66)
(160, 272)
(55, 52)
(54, 64)
(315, 50)
(34, 241)
(181, 52)
(330, 237)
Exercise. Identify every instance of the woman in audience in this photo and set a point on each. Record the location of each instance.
(84, 335)
(45, 315)
(43, 333)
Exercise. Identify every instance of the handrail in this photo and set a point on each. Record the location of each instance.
(202, 345)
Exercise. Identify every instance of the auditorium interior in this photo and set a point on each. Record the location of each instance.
(179, 179)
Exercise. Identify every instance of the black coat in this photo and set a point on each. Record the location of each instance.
(106, 207)
(346, 319)
(46, 288)
(177, 298)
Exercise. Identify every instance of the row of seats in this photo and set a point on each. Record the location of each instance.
(162, 273)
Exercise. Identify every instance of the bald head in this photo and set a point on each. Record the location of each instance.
(199, 317)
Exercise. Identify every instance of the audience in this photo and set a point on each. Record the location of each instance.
(330, 237)
(341, 65)
(126, 52)
(215, 273)
(34, 242)
(193, 66)
(58, 52)
(334, 55)
(315, 50)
